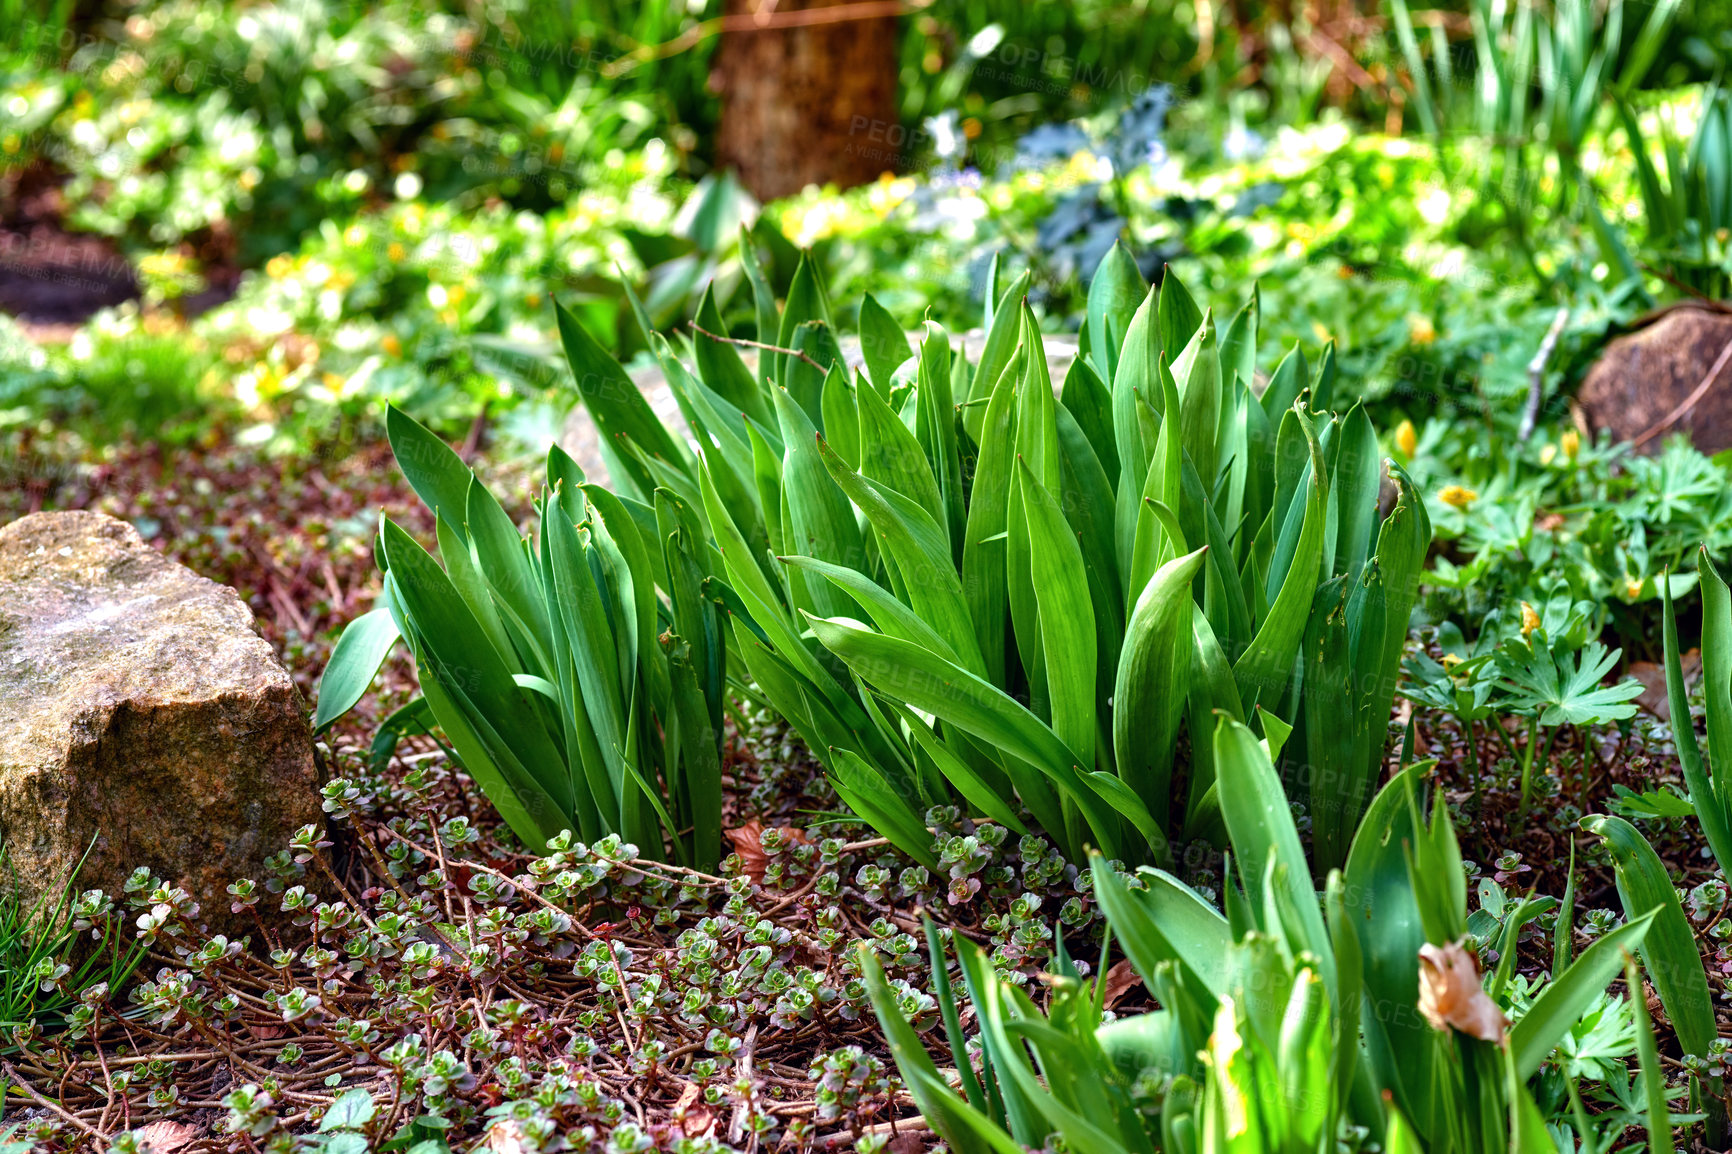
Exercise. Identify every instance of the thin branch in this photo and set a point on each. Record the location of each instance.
(18, 1083)
(1537, 372)
(1688, 402)
(760, 22)
(759, 345)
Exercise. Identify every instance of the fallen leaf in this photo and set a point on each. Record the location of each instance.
(506, 1137)
(165, 1137)
(1450, 994)
(1121, 980)
(699, 1123)
(1653, 679)
(748, 842)
(693, 1120)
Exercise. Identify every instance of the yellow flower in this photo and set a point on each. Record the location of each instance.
(1406, 439)
(1530, 620)
(163, 264)
(1457, 496)
(279, 267)
(396, 252)
(1571, 442)
(332, 381)
(1420, 330)
(1633, 587)
(391, 344)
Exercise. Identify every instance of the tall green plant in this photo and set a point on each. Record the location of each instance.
(1542, 78)
(1710, 784)
(1687, 210)
(961, 585)
(1287, 1023)
(1675, 962)
(579, 677)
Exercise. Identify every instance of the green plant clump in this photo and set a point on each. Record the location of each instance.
(961, 588)
(575, 697)
(1289, 1022)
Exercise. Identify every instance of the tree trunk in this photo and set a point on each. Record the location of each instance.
(808, 99)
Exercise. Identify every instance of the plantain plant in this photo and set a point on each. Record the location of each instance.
(962, 586)
(579, 677)
(1287, 1023)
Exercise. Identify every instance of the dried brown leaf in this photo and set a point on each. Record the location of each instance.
(165, 1137)
(1653, 679)
(748, 841)
(1121, 980)
(506, 1136)
(1451, 996)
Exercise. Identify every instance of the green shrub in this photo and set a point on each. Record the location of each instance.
(575, 697)
(961, 589)
(1288, 1023)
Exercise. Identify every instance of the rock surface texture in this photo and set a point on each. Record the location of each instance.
(1643, 378)
(141, 719)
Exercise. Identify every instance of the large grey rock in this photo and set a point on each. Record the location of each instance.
(141, 719)
(582, 439)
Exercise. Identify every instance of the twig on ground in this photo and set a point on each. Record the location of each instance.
(18, 1083)
(1689, 402)
(1537, 371)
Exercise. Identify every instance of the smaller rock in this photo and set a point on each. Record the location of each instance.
(142, 720)
(1643, 377)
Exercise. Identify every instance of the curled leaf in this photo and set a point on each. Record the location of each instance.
(1450, 994)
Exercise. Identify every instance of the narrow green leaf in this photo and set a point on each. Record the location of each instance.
(868, 793)
(1066, 617)
(1114, 293)
(1263, 669)
(964, 1128)
(1260, 825)
(1567, 997)
(1668, 949)
(436, 473)
(613, 399)
(1659, 1118)
(1154, 682)
(883, 344)
(1717, 692)
(354, 662)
